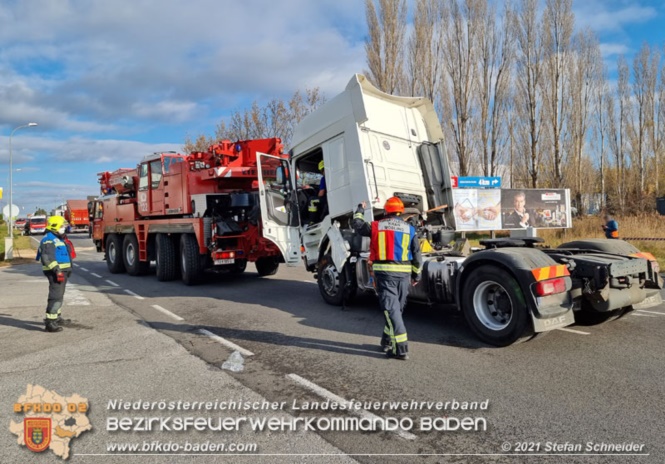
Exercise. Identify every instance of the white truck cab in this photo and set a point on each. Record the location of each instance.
(375, 146)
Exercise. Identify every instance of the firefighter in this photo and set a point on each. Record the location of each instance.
(318, 207)
(57, 267)
(395, 260)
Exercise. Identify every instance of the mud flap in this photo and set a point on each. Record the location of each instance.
(653, 299)
(551, 323)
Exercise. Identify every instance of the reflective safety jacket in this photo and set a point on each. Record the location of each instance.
(53, 252)
(394, 245)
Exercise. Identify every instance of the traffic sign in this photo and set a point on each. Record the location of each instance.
(5, 211)
(479, 182)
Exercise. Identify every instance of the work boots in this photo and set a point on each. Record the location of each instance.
(62, 321)
(52, 325)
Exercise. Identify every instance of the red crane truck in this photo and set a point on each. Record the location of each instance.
(188, 213)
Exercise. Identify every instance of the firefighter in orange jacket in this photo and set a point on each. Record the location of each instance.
(396, 260)
(56, 259)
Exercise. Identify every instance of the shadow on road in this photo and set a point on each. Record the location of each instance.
(299, 298)
(21, 324)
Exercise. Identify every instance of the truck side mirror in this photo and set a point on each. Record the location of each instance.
(279, 174)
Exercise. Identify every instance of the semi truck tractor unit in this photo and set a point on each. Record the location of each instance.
(188, 213)
(375, 146)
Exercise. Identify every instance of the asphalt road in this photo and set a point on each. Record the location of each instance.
(599, 384)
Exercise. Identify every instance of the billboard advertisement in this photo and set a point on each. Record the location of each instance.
(506, 209)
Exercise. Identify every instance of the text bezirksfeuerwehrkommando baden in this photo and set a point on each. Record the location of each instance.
(296, 405)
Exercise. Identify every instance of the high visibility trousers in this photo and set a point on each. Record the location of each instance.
(393, 288)
(56, 294)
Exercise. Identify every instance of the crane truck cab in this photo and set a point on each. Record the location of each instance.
(375, 146)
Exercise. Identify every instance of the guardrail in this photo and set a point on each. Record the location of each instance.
(641, 239)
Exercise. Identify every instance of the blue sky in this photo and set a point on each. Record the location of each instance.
(109, 81)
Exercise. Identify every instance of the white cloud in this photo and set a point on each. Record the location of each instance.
(125, 60)
(603, 16)
(613, 49)
(71, 165)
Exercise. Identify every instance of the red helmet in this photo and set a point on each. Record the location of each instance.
(394, 205)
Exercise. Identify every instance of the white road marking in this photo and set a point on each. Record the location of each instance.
(309, 281)
(135, 295)
(225, 342)
(74, 296)
(82, 268)
(322, 392)
(76, 265)
(168, 313)
(113, 283)
(643, 315)
(574, 331)
(650, 312)
(96, 275)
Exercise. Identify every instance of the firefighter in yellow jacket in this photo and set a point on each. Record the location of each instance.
(57, 267)
(396, 260)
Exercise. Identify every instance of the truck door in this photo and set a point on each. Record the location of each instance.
(156, 190)
(279, 207)
(96, 220)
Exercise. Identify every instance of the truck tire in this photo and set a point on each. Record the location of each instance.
(239, 266)
(190, 261)
(114, 254)
(166, 258)
(267, 266)
(130, 256)
(332, 282)
(495, 308)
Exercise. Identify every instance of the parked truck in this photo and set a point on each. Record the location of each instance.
(188, 213)
(76, 214)
(375, 146)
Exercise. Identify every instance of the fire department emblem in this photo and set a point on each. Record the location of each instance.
(37, 433)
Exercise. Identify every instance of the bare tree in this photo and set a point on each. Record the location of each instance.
(277, 118)
(659, 136)
(645, 73)
(459, 62)
(425, 48)
(603, 107)
(624, 128)
(586, 64)
(201, 143)
(529, 70)
(558, 22)
(384, 47)
(495, 58)
(654, 113)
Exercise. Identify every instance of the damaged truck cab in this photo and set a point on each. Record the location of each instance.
(375, 146)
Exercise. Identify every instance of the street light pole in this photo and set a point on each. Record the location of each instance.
(9, 245)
